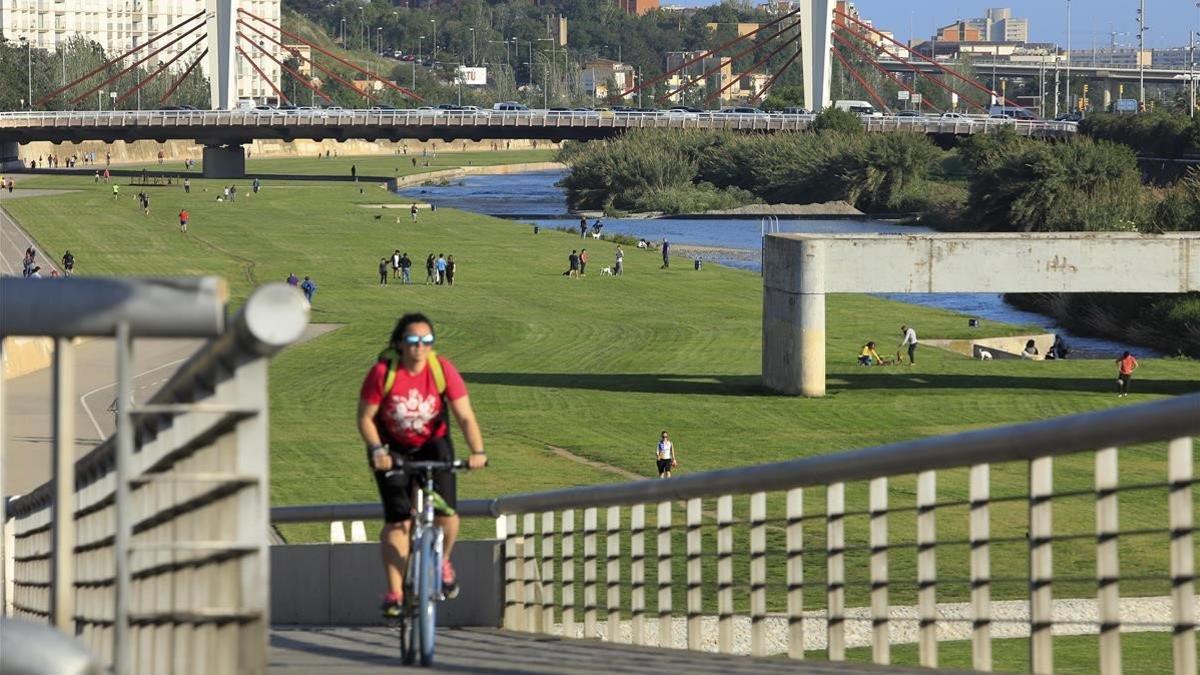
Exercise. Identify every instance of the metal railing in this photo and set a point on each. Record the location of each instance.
(635, 581)
(160, 565)
(485, 119)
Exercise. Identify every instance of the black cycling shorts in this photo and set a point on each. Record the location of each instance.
(396, 490)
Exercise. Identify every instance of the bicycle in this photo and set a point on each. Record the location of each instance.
(423, 575)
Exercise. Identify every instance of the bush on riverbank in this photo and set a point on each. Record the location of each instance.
(1167, 323)
(664, 170)
(1180, 205)
(1022, 185)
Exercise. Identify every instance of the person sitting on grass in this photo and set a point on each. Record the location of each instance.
(869, 357)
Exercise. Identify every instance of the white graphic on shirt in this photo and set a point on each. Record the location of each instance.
(412, 413)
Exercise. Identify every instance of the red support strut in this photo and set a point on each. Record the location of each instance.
(283, 97)
(135, 64)
(156, 73)
(867, 57)
(314, 64)
(869, 89)
(756, 64)
(403, 90)
(300, 78)
(175, 85)
(720, 65)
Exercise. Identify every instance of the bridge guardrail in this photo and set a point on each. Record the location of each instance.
(161, 562)
(551, 536)
(484, 119)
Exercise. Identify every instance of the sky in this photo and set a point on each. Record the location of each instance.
(1168, 20)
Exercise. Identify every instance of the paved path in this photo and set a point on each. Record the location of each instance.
(340, 651)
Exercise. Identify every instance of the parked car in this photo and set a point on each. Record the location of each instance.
(743, 110)
(510, 107)
(957, 116)
(794, 111)
(909, 113)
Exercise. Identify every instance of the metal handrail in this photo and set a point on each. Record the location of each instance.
(1084, 432)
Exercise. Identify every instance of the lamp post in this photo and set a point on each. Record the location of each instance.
(112, 97)
(546, 71)
(474, 62)
(379, 40)
(1068, 54)
(414, 62)
(1141, 64)
(29, 66)
(343, 32)
(433, 45)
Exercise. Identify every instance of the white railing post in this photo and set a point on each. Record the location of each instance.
(758, 574)
(568, 573)
(548, 572)
(1108, 569)
(1180, 473)
(589, 573)
(725, 574)
(666, 629)
(1041, 565)
(637, 573)
(63, 524)
(514, 609)
(981, 568)
(533, 609)
(835, 575)
(878, 507)
(612, 573)
(695, 577)
(795, 572)
(927, 568)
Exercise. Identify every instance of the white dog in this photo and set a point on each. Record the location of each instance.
(606, 271)
(985, 355)
(595, 235)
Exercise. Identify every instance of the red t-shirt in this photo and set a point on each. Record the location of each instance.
(1125, 365)
(410, 415)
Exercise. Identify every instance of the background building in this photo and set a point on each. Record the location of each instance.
(120, 25)
(638, 7)
(998, 26)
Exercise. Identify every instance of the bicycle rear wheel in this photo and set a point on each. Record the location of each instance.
(426, 618)
(409, 637)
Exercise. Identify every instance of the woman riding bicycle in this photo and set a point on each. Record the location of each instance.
(410, 422)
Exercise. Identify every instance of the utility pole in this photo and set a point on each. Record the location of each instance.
(1141, 19)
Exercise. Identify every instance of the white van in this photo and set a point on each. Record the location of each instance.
(245, 104)
(860, 107)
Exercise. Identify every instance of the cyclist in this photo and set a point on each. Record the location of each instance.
(410, 421)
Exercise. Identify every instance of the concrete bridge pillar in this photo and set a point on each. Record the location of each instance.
(224, 161)
(816, 25)
(793, 350)
(10, 156)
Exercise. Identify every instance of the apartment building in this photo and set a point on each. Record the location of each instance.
(121, 25)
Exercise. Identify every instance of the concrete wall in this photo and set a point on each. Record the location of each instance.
(799, 269)
(147, 151)
(492, 170)
(323, 584)
(24, 355)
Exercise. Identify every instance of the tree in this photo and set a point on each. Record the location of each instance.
(836, 119)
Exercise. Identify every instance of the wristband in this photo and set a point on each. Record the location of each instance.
(481, 452)
(377, 450)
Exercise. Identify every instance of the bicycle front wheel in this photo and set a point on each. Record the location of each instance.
(430, 566)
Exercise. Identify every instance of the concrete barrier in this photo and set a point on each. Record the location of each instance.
(493, 170)
(324, 584)
(25, 355)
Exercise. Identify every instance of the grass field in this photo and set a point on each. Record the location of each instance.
(599, 366)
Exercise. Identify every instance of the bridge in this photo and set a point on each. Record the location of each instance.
(152, 548)
(223, 132)
(1032, 69)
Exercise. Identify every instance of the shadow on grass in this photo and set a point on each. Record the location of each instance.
(751, 385)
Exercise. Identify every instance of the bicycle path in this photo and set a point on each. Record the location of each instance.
(482, 650)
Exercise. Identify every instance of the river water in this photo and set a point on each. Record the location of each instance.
(534, 198)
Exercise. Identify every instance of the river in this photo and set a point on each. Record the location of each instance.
(534, 198)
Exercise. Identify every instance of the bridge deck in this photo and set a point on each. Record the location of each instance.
(374, 650)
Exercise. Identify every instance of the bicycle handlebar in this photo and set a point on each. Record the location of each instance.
(409, 466)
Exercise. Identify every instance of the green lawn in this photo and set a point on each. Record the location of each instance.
(599, 366)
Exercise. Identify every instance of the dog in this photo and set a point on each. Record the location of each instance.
(595, 235)
(985, 355)
(378, 217)
(606, 271)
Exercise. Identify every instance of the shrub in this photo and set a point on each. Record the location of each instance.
(835, 119)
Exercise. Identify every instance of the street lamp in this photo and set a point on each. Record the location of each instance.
(474, 62)
(343, 32)
(1068, 55)
(1141, 64)
(379, 40)
(433, 45)
(29, 66)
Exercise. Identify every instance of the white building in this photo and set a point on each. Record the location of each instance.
(121, 25)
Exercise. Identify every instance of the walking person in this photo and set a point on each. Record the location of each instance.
(1125, 367)
(620, 265)
(573, 264)
(383, 270)
(404, 411)
(354, 171)
(583, 261)
(909, 340)
(451, 268)
(116, 191)
(665, 456)
(441, 269)
(187, 186)
(68, 263)
(582, 227)
(405, 264)
(396, 264)
(309, 288)
(666, 251)
(183, 220)
(429, 278)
